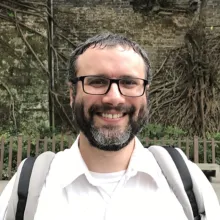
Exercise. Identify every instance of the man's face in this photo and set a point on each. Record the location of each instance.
(110, 121)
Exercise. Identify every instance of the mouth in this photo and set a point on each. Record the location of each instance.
(109, 113)
(108, 116)
(111, 116)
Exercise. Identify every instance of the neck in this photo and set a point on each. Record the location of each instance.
(101, 161)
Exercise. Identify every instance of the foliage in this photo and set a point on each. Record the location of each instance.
(158, 131)
(184, 93)
(171, 135)
(216, 137)
(158, 134)
(25, 76)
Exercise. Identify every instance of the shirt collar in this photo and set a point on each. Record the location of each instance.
(141, 160)
(73, 164)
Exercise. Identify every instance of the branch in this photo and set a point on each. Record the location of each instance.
(25, 4)
(161, 66)
(61, 106)
(66, 39)
(22, 24)
(24, 12)
(30, 48)
(13, 104)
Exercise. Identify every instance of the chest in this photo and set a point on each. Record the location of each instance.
(136, 199)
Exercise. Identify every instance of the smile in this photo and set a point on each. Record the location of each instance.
(105, 115)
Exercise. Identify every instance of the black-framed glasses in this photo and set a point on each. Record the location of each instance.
(100, 85)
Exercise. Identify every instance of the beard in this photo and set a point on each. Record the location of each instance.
(109, 137)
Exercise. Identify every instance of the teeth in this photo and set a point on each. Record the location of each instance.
(111, 115)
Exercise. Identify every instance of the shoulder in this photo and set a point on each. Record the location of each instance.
(58, 167)
(204, 192)
(61, 158)
(205, 195)
(143, 161)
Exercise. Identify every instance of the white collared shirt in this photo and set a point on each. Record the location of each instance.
(71, 192)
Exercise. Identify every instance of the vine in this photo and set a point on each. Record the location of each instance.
(186, 91)
(14, 12)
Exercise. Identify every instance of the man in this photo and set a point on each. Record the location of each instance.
(107, 174)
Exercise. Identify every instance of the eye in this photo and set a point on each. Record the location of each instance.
(96, 81)
(128, 82)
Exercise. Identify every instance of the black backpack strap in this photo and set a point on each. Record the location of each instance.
(23, 186)
(27, 187)
(186, 179)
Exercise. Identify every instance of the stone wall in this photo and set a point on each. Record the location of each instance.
(23, 83)
(158, 31)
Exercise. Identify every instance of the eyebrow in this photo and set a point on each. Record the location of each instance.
(120, 77)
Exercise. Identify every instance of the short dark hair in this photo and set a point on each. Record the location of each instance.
(107, 40)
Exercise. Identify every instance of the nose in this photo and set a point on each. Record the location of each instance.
(113, 97)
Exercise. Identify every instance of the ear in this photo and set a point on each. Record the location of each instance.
(147, 91)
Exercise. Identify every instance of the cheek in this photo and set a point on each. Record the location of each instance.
(86, 100)
(141, 100)
(140, 105)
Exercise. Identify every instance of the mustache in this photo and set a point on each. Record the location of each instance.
(102, 108)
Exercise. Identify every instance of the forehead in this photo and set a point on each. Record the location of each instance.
(112, 61)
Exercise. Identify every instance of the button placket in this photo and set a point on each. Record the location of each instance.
(116, 193)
